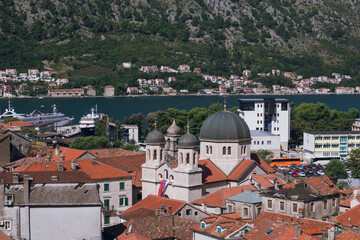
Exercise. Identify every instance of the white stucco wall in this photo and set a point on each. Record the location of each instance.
(76, 223)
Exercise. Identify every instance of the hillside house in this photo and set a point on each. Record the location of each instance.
(164, 69)
(322, 91)
(126, 64)
(184, 68)
(62, 81)
(142, 82)
(275, 72)
(11, 72)
(197, 70)
(33, 72)
(91, 92)
(145, 69)
(132, 90)
(109, 91)
(247, 73)
(341, 90)
(171, 79)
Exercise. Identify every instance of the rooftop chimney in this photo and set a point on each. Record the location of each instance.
(62, 158)
(297, 231)
(50, 156)
(73, 166)
(169, 211)
(331, 233)
(57, 151)
(60, 167)
(26, 189)
(15, 177)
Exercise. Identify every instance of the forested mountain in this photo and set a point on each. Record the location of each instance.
(220, 36)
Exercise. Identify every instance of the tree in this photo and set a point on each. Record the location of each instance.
(335, 169)
(91, 142)
(101, 128)
(342, 184)
(28, 132)
(264, 155)
(10, 119)
(354, 163)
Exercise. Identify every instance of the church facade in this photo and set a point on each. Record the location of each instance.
(188, 168)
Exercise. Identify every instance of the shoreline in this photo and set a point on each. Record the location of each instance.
(180, 95)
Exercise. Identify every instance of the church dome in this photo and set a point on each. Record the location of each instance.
(224, 126)
(188, 140)
(155, 137)
(174, 129)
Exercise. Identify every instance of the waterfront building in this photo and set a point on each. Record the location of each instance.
(224, 160)
(109, 91)
(268, 114)
(75, 92)
(131, 132)
(91, 92)
(325, 145)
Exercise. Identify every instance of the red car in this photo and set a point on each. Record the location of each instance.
(307, 167)
(320, 166)
(294, 174)
(296, 171)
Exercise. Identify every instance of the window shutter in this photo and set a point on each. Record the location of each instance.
(126, 201)
(121, 201)
(122, 186)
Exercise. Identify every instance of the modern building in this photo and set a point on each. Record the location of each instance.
(262, 140)
(131, 132)
(224, 160)
(325, 145)
(268, 114)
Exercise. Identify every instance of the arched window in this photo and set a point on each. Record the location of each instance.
(161, 155)
(154, 155)
(166, 174)
(207, 149)
(229, 150)
(242, 149)
(194, 159)
(160, 176)
(187, 158)
(168, 144)
(171, 177)
(149, 155)
(210, 149)
(181, 158)
(224, 150)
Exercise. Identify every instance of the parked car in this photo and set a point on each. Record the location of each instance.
(302, 174)
(295, 174)
(289, 172)
(319, 166)
(281, 168)
(296, 171)
(320, 172)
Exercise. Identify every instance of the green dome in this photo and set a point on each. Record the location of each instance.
(155, 137)
(188, 140)
(224, 126)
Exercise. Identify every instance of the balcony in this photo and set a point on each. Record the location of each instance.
(108, 209)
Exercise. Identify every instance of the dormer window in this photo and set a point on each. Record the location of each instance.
(203, 225)
(218, 229)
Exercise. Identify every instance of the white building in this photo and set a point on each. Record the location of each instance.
(131, 132)
(126, 64)
(265, 141)
(109, 91)
(44, 205)
(325, 145)
(268, 114)
(224, 160)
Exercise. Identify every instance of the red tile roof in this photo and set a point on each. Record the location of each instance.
(4, 237)
(111, 152)
(229, 226)
(280, 225)
(262, 163)
(240, 169)
(155, 202)
(267, 180)
(217, 199)
(350, 218)
(348, 235)
(130, 164)
(288, 185)
(68, 153)
(322, 185)
(211, 173)
(94, 169)
(19, 123)
(132, 236)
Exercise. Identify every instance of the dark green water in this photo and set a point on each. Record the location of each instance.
(121, 107)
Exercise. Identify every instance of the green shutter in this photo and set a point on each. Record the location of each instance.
(106, 187)
(121, 201)
(126, 201)
(106, 202)
(122, 186)
(106, 219)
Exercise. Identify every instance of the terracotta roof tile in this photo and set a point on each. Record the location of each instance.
(211, 173)
(132, 236)
(267, 180)
(348, 235)
(138, 212)
(217, 199)
(94, 169)
(4, 237)
(229, 226)
(322, 185)
(154, 202)
(349, 218)
(19, 123)
(68, 153)
(240, 169)
(288, 185)
(130, 164)
(111, 152)
(262, 163)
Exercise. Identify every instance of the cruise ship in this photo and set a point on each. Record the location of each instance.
(88, 122)
(37, 116)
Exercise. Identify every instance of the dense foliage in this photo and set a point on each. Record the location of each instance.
(91, 142)
(335, 169)
(318, 117)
